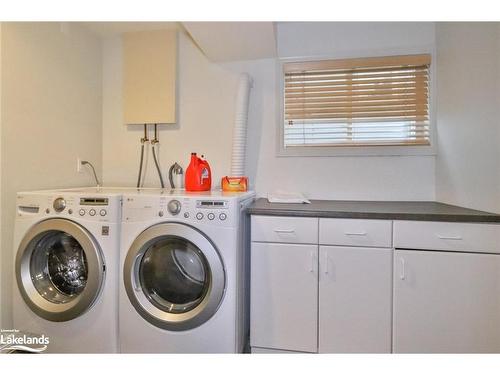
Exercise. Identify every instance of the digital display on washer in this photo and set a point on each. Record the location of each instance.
(93, 201)
(211, 204)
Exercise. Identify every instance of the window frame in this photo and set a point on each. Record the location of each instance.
(345, 150)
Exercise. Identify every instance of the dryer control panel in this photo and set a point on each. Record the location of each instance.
(213, 210)
(220, 212)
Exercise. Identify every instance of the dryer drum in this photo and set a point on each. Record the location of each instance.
(175, 275)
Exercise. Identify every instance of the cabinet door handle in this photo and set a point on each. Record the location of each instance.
(284, 230)
(312, 262)
(326, 263)
(455, 238)
(355, 233)
(402, 273)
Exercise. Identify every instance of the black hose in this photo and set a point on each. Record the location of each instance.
(140, 167)
(158, 168)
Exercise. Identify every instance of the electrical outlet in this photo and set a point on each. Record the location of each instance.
(79, 164)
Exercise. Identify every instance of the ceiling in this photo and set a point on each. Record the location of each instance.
(219, 41)
(229, 41)
(106, 29)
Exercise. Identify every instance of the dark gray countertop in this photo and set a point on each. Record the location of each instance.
(386, 210)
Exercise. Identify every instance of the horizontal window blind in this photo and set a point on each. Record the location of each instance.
(365, 102)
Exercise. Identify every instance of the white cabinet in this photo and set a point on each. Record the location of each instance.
(355, 304)
(336, 286)
(284, 296)
(352, 297)
(446, 302)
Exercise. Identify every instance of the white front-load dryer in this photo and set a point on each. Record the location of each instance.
(182, 263)
(66, 252)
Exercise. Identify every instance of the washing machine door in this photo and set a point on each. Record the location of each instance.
(59, 269)
(174, 276)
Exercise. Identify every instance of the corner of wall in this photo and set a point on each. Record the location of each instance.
(34, 56)
(468, 58)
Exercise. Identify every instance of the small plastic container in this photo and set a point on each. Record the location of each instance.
(234, 183)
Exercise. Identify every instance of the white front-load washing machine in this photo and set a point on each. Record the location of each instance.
(183, 285)
(66, 251)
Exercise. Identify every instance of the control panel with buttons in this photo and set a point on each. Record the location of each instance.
(92, 207)
(68, 204)
(209, 210)
(217, 211)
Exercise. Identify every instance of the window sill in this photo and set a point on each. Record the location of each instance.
(325, 151)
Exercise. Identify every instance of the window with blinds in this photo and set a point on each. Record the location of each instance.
(378, 101)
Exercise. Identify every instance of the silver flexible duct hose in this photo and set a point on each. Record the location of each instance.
(240, 126)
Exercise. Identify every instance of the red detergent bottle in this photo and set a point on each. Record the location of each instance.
(198, 174)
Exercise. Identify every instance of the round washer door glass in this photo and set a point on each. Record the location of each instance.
(174, 276)
(59, 269)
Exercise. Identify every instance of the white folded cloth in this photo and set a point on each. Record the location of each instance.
(287, 197)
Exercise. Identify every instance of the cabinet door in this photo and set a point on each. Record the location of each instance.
(284, 296)
(446, 302)
(355, 303)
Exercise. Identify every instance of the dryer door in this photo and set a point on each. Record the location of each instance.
(174, 276)
(59, 269)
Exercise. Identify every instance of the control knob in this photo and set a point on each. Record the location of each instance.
(174, 206)
(59, 204)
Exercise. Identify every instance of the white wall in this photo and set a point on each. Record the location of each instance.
(206, 107)
(468, 163)
(51, 113)
(353, 39)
